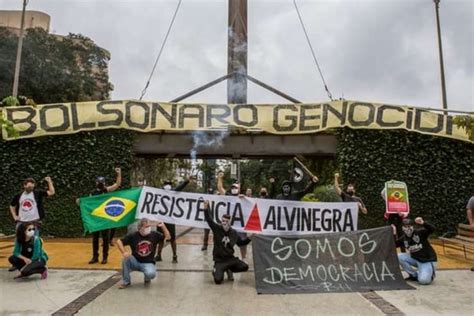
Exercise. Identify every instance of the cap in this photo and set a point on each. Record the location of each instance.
(408, 221)
(100, 179)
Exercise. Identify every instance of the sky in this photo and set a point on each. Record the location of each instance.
(369, 50)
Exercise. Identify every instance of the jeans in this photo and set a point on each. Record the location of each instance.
(425, 272)
(131, 264)
(234, 265)
(37, 266)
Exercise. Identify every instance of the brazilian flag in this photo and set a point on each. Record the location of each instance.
(110, 210)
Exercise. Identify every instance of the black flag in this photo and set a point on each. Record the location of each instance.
(299, 177)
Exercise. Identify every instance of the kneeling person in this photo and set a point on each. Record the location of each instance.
(225, 238)
(143, 244)
(420, 254)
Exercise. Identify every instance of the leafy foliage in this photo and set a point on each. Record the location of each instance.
(466, 122)
(73, 162)
(54, 68)
(439, 173)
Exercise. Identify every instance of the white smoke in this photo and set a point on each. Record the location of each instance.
(205, 139)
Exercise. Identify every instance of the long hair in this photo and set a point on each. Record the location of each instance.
(20, 232)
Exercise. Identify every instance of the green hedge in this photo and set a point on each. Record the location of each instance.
(73, 162)
(439, 173)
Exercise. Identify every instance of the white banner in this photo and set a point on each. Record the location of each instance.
(265, 216)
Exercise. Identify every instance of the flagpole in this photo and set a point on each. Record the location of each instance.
(304, 167)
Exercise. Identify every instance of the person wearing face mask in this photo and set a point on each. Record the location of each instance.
(234, 191)
(107, 235)
(287, 192)
(28, 254)
(27, 206)
(349, 195)
(168, 185)
(420, 259)
(225, 238)
(142, 244)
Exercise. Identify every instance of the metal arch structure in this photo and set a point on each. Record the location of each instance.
(239, 144)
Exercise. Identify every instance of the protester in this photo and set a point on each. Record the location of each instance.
(249, 193)
(234, 191)
(394, 219)
(141, 258)
(205, 241)
(470, 214)
(28, 254)
(421, 254)
(349, 195)
(225, 238)
(168, 185)
(27, 206)
(107, 235)
(288, 194)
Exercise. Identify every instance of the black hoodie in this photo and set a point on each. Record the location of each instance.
(224, 241)
(298, 195)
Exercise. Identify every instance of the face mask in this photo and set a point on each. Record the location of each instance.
(30, 233)
(263, 193)
(351, 193)
(101, 186)
(226, 226)
(146, 231)
(408, 230)
(167, 187)
(29, 189)
(234, 191)
(286, 189)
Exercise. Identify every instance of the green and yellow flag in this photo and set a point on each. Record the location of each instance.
(110, 210)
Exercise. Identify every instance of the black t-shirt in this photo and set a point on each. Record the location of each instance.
(38, 195)
(351, 198)
(98, 191)
(27, 248)
(143, 247)
(418, 244)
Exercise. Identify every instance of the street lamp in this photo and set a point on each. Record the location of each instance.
(16, 77)
(441, 62)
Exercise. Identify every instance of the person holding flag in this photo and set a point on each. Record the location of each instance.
(300, 176)
(142, 244)
(225, 238)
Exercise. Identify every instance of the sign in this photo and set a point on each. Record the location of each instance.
(261, 216)
(396, 197)
(67, 118)
(339, 262)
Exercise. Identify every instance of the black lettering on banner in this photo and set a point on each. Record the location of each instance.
(352, 111)
(409, 123)
(237, 116)
(27, 120)
(190, 207)
(183, 115)
(270, 221)
(179, 210)
(337, 215)
(220, 117)
(292, 118)
(156, 203)
(304, 117)
(128, 114)
(348, 221)
(170, 117)
(419, 118)
(76, 126)
(238, 215)
(449, 125)
(44, 119)
(164, 203)
(146, 203)
(339, 115)
(101, 108)
(380, 116)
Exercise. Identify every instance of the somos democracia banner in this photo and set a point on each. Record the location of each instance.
(67, 118)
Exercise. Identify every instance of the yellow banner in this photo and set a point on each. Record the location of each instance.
(67, 118)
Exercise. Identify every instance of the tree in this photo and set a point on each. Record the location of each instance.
(466, 122)
(54, 68)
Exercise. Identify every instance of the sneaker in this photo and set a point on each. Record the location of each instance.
(411, 278)
(204, 248)
(123, 286)
(94, 260)
(230, 275)
(175, 259)
(158, 258)
(18, 276)
(44, 275)
(12, 268)
(104, 261)
(147, 281)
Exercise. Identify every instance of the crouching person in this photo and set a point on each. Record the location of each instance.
(225, 238)
(420, 259)
(28, 255)
(143, 245)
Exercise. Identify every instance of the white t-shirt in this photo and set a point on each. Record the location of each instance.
(28, 208)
